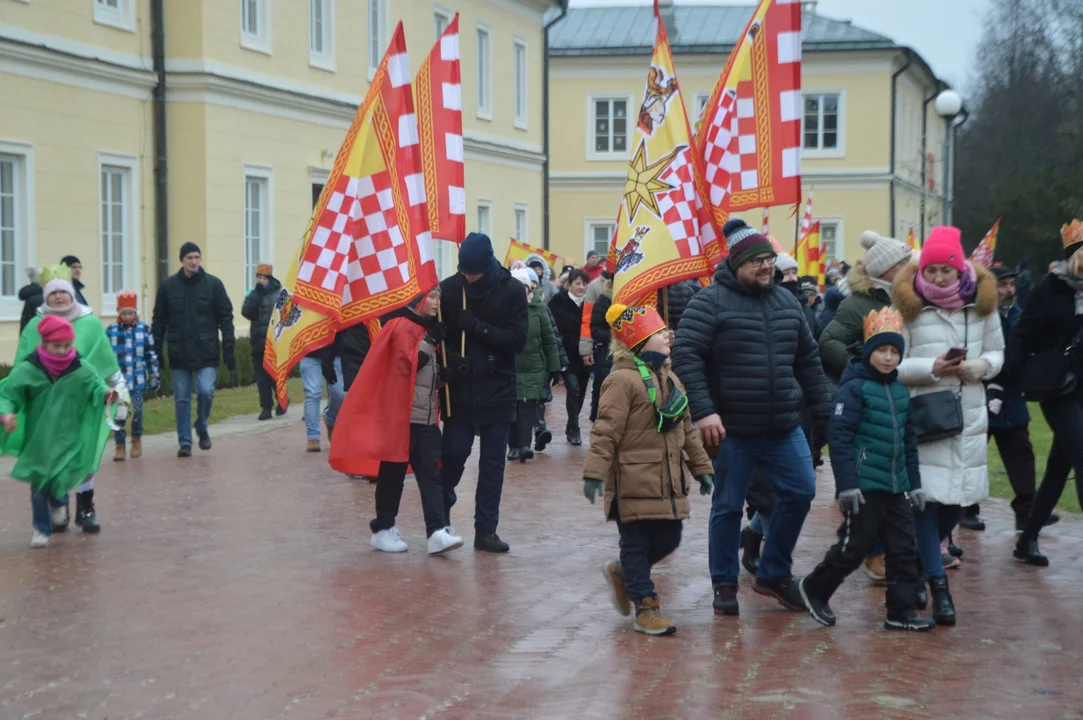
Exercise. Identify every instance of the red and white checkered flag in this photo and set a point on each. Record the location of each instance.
(806, 222)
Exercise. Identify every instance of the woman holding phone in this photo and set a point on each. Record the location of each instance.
(953, 342)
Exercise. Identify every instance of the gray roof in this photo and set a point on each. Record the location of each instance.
(699, 29)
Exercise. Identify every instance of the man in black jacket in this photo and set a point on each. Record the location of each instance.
(747, 358)
(76, 271)
(486, 314)
(32, 296)
(191, 309)
(258, 307)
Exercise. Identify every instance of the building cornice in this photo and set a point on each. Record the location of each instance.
(608, 180)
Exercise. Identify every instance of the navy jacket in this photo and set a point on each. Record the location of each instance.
(1014, 412)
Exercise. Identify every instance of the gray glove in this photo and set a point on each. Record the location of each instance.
(850, 501)
(917, 499)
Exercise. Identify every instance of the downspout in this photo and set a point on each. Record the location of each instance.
(161, 174)
(894, 124)
(924, 153)
(545, 122)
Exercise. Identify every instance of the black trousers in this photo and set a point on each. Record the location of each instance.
(886, 516)
(425, 459)
(603, 364)
(575, 382)
(263, 382)
(1017, 454)
(644, 543)
(1065, 418)
(526, 417)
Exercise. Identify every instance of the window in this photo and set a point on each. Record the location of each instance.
(258, 215)
(610, 126)
(520, 223)
(699, 101)
(317, 190)
(485, 217)
(520, 84)
(441, 19)
(599, 235)
(485, 77)
(255, 25)
(829, 241)
(377, 35)
(11, 211)
(119, 14)
(821, 122)
(444, 254)
(321, 34)
(115, 226)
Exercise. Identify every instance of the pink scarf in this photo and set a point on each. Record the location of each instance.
(55, 364)
(954, 296)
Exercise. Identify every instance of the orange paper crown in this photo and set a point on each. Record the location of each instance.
(883, 321)
(634, 325)
(1071, 234)
(126, 300)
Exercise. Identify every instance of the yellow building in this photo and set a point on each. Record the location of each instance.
(870, 168)
(258, 95)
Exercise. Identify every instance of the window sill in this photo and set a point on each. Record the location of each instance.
(256, 45)
(607, 157)
(807, 154)
(321, 62)
(485, 115)
(521, 125)
(115, 20)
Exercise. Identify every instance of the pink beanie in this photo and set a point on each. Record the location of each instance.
(944, 247)
(55, 329)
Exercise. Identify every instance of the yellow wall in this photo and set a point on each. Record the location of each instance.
(74, 20)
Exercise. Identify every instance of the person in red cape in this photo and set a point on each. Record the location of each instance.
(390, 420)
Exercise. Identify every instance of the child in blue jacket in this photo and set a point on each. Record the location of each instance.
(134, 348)
(874, 454)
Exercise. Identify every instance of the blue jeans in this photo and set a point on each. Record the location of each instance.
(787, 463)
(927, 534)
(136, 418)
(312, 380)
(182, 401)
(457, 445)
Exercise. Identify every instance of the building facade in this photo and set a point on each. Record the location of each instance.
(867, 171)
(259, 96)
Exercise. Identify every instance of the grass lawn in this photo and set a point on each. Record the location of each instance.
(158, 416)
(1042, 438)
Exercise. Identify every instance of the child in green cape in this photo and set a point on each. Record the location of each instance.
(64, 429)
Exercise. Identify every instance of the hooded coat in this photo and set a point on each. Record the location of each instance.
(841, 338)
(953, 470)
(548, 287)
(538, 357)
(258, 308)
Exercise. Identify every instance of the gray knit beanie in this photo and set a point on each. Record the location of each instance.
(882, 253)
(785, 262)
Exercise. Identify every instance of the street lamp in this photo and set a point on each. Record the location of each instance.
(948, 105)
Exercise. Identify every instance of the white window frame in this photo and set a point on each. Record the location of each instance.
(325, 59)
(260, 41)
(483, 72)
(487, 206)
(122, 17)
(444, 257)
(25, 246)
(840, 237)
(521, 210)
(829, 153)
(267, 224)
(440, 15)
(377, 35)
(588, 234)
(699, 101)
(129, 164)
(521, 84)
(592, 154)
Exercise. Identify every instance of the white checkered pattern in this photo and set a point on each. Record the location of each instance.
(678, 206)
(446, 98)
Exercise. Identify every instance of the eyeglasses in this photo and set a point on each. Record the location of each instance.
(763, 261)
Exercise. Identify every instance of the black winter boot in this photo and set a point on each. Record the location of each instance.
(943, 607)
(573, 437)
(84, 512)
(1026, 551)
(750, 550)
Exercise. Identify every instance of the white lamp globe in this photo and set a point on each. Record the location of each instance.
(948, 104)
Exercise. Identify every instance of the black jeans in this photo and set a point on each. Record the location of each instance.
(425, 460)
(644, 543)
(575, 382)
(603, 363)
(1065, 418)
(1017, 454)
(457, 445)
(526, 419)
(886, 516)
(263, 382)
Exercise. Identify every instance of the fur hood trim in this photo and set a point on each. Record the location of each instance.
(906, 299)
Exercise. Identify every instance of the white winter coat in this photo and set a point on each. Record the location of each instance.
(953, 471)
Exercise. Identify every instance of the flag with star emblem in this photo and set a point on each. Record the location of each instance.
(367, 249)
(664, 233)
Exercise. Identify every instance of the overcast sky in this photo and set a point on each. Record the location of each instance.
(945, 32)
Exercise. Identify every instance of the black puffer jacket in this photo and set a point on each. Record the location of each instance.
(677, 298)
(569, 318)
(33, 297)
(1048, 323)
(748, 355)
(258, 307)
(356, 342)
(600, 331)
(189, 312)
(497, 303)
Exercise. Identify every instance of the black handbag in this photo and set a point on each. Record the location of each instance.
(1050, 374)
(939, 415)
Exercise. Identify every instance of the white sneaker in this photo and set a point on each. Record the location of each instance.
(389, 541)
(39, 540)
(442, 540)
(60, 518)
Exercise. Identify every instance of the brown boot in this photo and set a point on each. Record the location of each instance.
(313, 446)
(615, 578)
(876, 569)
(649, 618)
(137, 448)
(118, 456)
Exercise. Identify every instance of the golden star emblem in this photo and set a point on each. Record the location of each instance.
(642, 185)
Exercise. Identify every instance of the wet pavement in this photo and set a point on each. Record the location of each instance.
(240, 584)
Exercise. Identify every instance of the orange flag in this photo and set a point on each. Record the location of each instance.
(986, 250)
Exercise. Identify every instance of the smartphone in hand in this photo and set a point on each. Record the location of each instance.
(955, 354)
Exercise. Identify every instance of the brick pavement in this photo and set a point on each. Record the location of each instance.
(239, 584)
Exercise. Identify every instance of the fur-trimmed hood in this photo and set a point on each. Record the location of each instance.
(908, 302)
(857, 280)
(548, 270)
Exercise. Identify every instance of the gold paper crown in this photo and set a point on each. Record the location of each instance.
(1071, 234)
(884, 321)
(55, 272)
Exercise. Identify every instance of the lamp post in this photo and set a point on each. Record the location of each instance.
(948, 105)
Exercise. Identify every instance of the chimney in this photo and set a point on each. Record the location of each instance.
(669, 17)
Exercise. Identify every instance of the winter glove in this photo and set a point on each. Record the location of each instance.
(917, 499)
(458, 367)
(850, 501)
(974, 370)
(995, 394)
(821, 432)
(706, 484)
(231, 361)
(554, 378)
(592, 488)
(437, 334)
(470, 324)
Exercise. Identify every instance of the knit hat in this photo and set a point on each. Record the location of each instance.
(1071, 236)
(784, 262)
(58, 284)
(70, 260)
(265, 269)
(522, 275)
(126, 300)
(808, 282)
(944, 247)
(55, 329)
(533, 275)
(33, 274)
(882, 253)
(883, 327)
(475, 254)
(188, 248)
(633, 326)
(744, 243)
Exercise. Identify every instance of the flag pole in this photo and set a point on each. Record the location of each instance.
(443, 351)
(796, 229)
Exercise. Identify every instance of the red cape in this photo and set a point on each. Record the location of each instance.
(373, 425)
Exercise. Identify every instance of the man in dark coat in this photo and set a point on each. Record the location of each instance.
(747, 358)
(258, 307)
(76, 271)
(191, 309)
(486, 315)
(1023, 284)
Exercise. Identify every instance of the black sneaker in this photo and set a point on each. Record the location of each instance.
(490, 542)
(954, 550)
(280, 411)
(574, 438)
(750, 550)
(1026, 551)
(818, 609)
(725, 600)
(184, 451)
(909, 621)
(1021, 521)
(525, 454)
(204, 441)
(541, 439)
(972, 522)
(513, 454)
(783, 589)
(265, 415)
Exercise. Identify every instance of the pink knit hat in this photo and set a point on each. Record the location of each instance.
(55, 329)
(944, 247)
